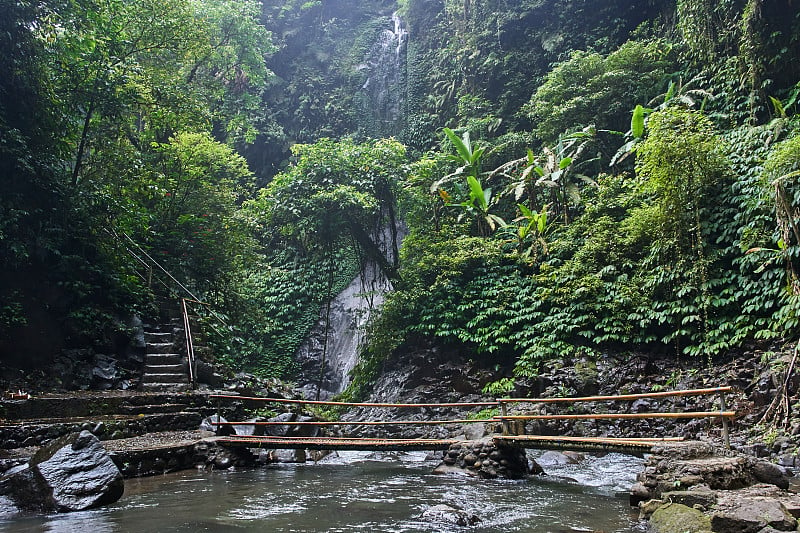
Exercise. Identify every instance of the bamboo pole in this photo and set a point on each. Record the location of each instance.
(571, 440)
(331, 439)
(356, 423)
(726, 437)
(620, 397)
(696, 414)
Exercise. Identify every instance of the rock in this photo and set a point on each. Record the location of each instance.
(677, 518)
(303, 430)
(766, 472)
(474, 431)
(210, 424)
(246, 429)
(104, 372)
(751, 514)
(646, 509)
(640, 493)
(451, 515)
(485, 459)
(575, 457)
(287, 456)
(207, 374)
(445, 468)
(72, 473)
(280, 430)
(792, 504)
(691, 498)
(554, 458)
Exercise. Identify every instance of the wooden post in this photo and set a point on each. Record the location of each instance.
(504, 412)
(219, 416)
(726, 437)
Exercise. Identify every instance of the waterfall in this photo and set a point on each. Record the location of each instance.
(350, 311)
(383, 90)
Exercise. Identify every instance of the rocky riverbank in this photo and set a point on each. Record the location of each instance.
(696, 487)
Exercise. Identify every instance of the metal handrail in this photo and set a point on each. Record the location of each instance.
(146, 261)
(190, 357)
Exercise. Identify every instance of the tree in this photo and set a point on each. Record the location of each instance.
(341, 190)
(590, 88)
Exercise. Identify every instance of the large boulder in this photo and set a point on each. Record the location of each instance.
(72, 473)
(751, 514)
(678, 518)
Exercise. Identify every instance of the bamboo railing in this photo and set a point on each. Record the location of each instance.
(504, 418)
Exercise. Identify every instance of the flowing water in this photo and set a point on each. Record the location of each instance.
(350, 311)
(357, 491)
(384, 87)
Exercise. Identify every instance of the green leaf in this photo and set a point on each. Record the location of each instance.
(637, 121)
(461, 147)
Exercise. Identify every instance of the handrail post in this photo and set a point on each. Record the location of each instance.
(504, 412)
(726, 437)
(219, 416)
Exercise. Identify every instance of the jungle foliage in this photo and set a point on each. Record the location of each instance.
(655, 209)
(576, 177)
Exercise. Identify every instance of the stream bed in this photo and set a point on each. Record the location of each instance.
(357, 491)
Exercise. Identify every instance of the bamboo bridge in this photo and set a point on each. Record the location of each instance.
(512, 424)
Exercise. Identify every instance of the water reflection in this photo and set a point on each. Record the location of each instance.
(354, 492)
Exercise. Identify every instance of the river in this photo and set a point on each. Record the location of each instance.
(357, 491)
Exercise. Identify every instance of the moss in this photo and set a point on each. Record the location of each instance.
(677, 518)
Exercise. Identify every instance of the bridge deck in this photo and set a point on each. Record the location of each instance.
(540, 442)
(582, 444)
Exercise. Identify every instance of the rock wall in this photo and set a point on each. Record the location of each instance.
(485, 459)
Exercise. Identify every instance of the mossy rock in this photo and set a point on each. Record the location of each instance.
(677, 518)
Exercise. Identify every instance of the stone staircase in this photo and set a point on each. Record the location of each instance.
(109, 415)
(165, 366)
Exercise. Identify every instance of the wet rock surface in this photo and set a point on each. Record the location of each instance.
(427, 376)
(73, 473)
(450, 515)
(689, 464)
(751, 514)
(697, 487)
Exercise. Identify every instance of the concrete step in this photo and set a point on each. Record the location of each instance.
(91, 404)
(165, 378)
(157, 337)
(154, 359)
(160, 347)
(162, 408)
(165, 387)
(179, 368)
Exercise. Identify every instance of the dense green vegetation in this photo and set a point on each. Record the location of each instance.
(576, 179)
(643, 216)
